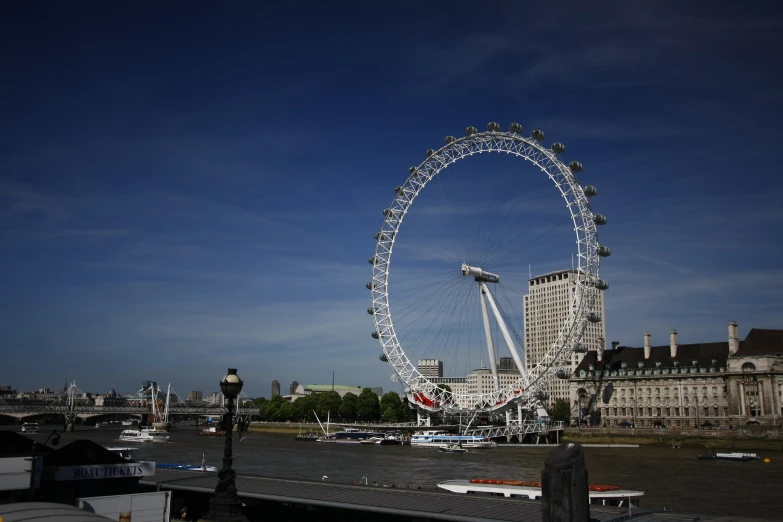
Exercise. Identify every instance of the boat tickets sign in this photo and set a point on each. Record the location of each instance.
(105, 471)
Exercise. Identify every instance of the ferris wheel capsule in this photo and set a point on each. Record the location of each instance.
(516, 128)
(372, 311)
(383, 357)
(412, 170)
(580, 348)
(470, 131)
(538, 135)
(603, 251)
(599, 219)
(373, 260)
(558, 148)
(370, 286)
(590, 191)
(594, 317)
(375, 335)
(562, 374)
(575, 167)
(450, 139)
(602, 285)
(493, 127)
(430, 152)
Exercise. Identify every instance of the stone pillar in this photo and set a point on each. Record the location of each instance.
(742, 398)
(761, 397)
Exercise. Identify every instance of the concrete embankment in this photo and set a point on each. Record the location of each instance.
(285, 427)
(756, 437)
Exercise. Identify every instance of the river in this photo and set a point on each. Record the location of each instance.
(674, 478)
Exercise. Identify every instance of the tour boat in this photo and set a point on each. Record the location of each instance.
(188, 467)
(354, 436)
(151, 435)
(604, 495)
(744, 457)
(440, 439)
(30, 427)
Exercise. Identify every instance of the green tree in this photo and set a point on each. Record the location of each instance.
(328, 402)
(348, 406)
(284, 412)
(368, 407)
(560, 410)
(303, 407)
(271, 406)
(391, 407)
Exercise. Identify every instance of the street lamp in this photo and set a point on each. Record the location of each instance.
(225, 504)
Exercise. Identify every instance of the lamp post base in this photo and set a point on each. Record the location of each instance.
(224, 510)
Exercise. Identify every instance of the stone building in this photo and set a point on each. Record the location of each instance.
(721, 384)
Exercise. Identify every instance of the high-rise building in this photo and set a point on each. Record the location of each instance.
(431, 368)
(292, 388)
(275, 388)
(507, 363)
(195, 396)
(547, 306)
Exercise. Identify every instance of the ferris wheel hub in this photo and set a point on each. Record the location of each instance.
(479, 274)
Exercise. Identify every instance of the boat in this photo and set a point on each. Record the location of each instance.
(30, 427)
(123, 451)
(149, 435)
(440, 439)
(743, 457)
(453, 448)
(354, 436)
(213, 430)
(188, 467)
(604, 495)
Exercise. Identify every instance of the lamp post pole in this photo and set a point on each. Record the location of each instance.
(225, 505)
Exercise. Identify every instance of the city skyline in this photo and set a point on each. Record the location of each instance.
(172, 212)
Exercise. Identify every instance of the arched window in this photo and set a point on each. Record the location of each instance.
(748, 367)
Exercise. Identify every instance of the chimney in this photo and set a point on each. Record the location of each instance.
(647, 346)
(673, 343)
(733, 338)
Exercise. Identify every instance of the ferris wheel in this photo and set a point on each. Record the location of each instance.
(457, 305)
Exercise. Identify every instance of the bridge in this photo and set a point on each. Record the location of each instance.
(22, 411)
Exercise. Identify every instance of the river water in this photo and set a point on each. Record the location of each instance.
(674, 478)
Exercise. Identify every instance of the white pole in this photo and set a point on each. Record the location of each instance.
(520, 361)
(488, 334)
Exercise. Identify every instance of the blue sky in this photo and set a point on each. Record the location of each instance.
(192, 187)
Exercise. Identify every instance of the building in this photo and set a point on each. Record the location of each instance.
(307, 389)
(718, 384)
(481, 381)
(507, 363)
(195, 396)
(430, 368)
(110, 399)
(215, 399)
(293, 387)
(275, 388)
(547, 307)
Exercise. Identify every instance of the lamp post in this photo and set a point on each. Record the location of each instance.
(225, 504)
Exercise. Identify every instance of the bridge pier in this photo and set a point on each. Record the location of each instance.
(422, 420)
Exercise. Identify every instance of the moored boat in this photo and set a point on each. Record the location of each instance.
(440, 439)
(605, 495)
(742, 457)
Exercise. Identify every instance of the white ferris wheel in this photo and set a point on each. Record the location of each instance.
(456, 291)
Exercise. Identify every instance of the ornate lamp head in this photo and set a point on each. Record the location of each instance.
(231, 384)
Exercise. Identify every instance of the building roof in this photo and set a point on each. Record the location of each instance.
(45, 512)
(329, 387)
(556, 272)
(82, 452)
(757, 342)
(13, 444)
(762, 342)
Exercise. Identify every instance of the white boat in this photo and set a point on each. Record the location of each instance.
(599, 495)
(150, 435)
(712, 455)
(30, 427)
(440, 439)
(122, 451)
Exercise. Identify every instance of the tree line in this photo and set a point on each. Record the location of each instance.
(366, 406)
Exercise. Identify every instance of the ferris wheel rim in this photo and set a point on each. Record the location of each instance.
(587, 257)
